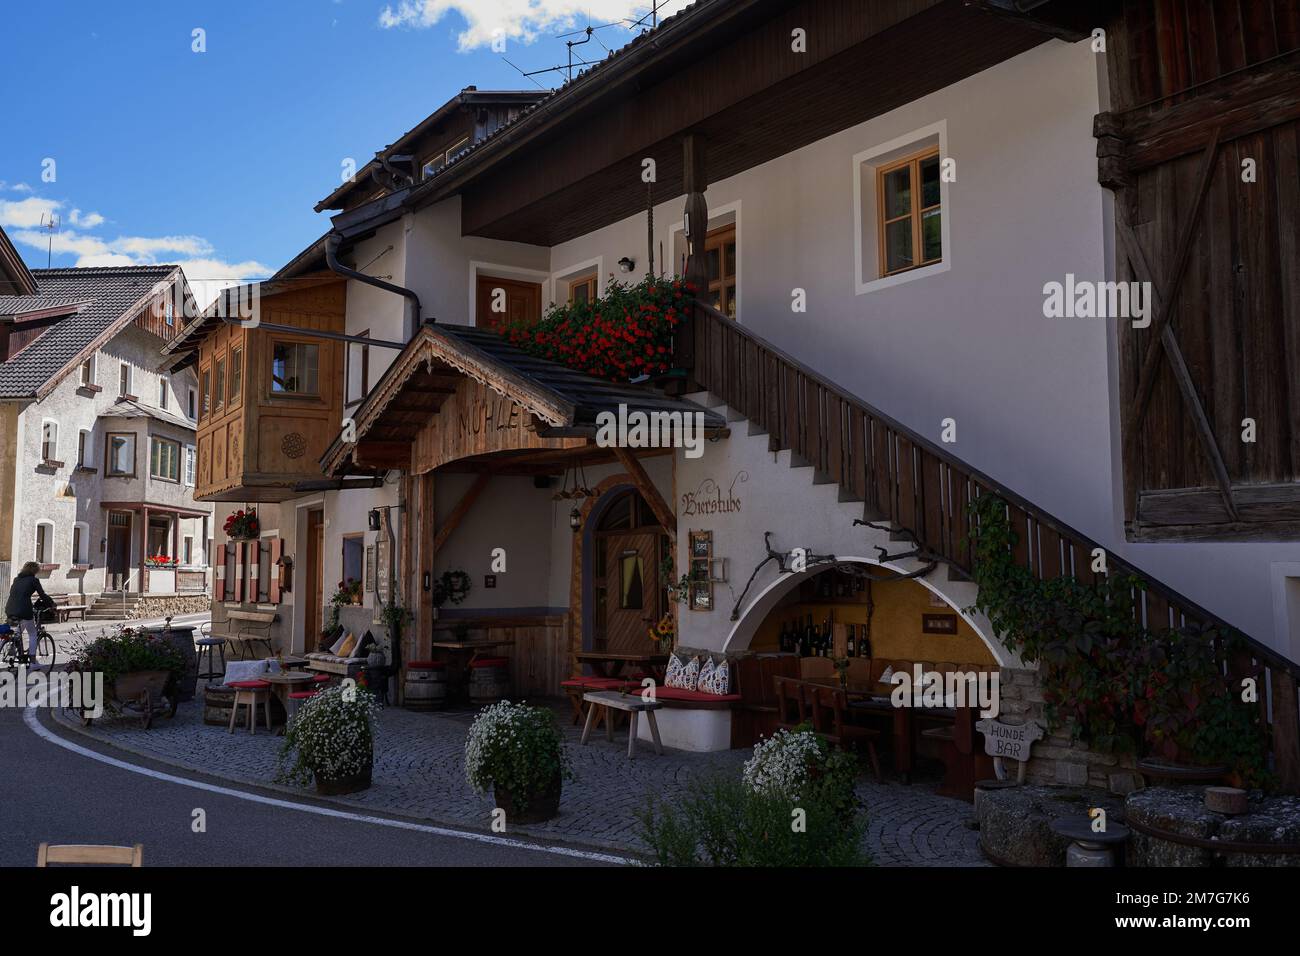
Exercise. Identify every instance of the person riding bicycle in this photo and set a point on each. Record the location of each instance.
(20, 606)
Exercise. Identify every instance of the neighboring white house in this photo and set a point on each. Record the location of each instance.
(97, 483)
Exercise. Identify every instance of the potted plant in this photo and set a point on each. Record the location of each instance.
(159, 561)
(140, 668)
(242, 525)
(347, 594)
(332, 741)
(518, 751)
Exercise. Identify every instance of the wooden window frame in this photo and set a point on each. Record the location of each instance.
(205, 393)
(176, 459)
(717, 238)
(123, 380)
(270, 377)
(49, 447)
(235, 371)
(219, 382)
(915, 213)
(590, 282)
(108, 454)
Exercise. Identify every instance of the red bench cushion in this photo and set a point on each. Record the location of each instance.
(426, 666)
(596, 683)
(303, 694)
(677, 693)
(250, 684)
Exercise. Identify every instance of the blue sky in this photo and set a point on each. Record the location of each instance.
(215, 159)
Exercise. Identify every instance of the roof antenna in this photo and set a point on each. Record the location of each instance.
(51, 226)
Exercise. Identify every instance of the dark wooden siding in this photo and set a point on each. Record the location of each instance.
(1198, 89)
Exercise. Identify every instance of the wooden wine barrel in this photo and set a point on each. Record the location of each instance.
(426, 685)
(489, 680)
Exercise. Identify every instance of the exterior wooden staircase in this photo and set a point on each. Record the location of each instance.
(923, 493)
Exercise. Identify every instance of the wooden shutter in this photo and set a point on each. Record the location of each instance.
(239, 570)
(273, 571)
(256, 583)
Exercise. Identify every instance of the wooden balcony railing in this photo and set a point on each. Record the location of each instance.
(906, 479)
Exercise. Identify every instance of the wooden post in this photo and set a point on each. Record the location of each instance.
(176, 544)
(695, 180)
(662, 512)
(1286, 733)
(422, 517)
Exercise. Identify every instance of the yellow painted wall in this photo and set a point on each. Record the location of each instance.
(895, 626)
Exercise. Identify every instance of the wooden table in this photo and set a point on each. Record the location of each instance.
(475, 649)
(283, 684)
(610, 663)
(632, 704)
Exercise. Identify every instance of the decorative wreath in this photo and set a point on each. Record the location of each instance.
(453, 586)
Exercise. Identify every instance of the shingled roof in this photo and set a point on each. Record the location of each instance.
(114, 295)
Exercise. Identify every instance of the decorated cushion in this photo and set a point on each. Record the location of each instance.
(719, 681)
(345, 648)
(706, 675)
(328, 637)
(339, 641)
(363, 646)
(684, 676)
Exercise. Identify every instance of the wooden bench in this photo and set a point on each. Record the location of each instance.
(246, 628)
(64, 608)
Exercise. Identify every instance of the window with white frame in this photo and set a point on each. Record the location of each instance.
(164, 459)
(49, 440)
(124, 379)
(190, 459)
(192, 403)
(88, 371)
(44, 543)
(80, 543)
(163, 387)
(85, 452)
(187, 551)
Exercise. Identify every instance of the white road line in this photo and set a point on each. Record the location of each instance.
(29, 718)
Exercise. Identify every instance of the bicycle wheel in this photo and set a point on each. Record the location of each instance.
(46, 651)
(9, 655)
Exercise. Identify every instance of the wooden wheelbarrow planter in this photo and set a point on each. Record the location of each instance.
(148, 693)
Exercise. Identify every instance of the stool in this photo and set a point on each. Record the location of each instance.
(249, 693)
(295, 701)
(207, 644)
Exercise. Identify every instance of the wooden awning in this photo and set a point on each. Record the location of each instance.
(457, 393)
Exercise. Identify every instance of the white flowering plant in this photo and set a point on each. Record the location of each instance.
(332, 737)
(799, 765)
(518, 748)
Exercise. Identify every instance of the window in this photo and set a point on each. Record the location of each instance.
(124, 379)
(119, 454)
(358, 370)
(83, 449)
(164, 459)
(294, 368)
(191, 403)
(236, 373)
(163, 387)
(909, 213)
(80, 543)
(219, 383)
(187, 551)
(205, 389)
(189, 465)
(442, 159)
(168, 314)
(44, 543)
(88, 372)
(720, 264)
(49, 440)
(159, 536)
(354, 563)
(582, 290)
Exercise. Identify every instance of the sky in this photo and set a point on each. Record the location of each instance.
(151, 142)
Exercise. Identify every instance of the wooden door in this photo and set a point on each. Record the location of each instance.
(631, 590)
(315, 579)
(720, 267)
(118, 563)
(502, 302)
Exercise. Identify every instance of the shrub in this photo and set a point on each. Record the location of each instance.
(624, 334)
(517, 748)
(800, 765)
(331, 737)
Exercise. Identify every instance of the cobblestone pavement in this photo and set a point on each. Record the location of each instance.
(419, 772)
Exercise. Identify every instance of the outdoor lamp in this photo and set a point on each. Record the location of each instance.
(374, 519)
(626, 264)
(575, 519)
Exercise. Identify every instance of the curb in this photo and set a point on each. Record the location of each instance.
(65, 724)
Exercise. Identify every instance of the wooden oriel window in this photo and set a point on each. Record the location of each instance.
(909, 213)
(165, 459)
(236, 373)
(205, 392)
(219, 383)
(720, 265)
(295, 368)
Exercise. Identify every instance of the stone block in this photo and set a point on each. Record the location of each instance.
(1071, 773)
(1123, 783)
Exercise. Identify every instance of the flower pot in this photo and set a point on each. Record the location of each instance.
(541, 806)
(335, 786)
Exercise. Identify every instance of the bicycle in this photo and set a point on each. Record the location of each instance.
(13, 645)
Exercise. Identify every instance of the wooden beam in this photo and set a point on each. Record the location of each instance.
(383, 454)
(458, 513)
(663, 514)
(1286, 731)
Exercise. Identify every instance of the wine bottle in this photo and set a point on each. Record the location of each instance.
(850, 645)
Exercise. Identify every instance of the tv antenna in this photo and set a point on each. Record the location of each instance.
(50, 226)
(588, 33)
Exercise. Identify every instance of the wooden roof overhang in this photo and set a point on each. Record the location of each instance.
(462, 399)
(724, 68)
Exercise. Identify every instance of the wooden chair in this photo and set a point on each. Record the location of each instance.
(791, 702)
(830, 719)
(93, 855)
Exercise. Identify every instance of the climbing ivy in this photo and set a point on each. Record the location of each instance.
(1107, 680)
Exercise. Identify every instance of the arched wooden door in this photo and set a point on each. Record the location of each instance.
(627, 591)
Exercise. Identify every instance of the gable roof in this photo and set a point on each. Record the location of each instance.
(114, 295)
(15, 277)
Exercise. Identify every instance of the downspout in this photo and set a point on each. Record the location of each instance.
(332, 243)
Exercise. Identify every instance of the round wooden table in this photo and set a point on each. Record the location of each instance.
(283, 684)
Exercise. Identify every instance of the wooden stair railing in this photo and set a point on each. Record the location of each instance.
(913, 483)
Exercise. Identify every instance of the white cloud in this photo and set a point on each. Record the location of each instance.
(26, 213)
(104, 259)
(87, 220)
(518, 20)
(21, 188)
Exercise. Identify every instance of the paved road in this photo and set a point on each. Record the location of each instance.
(49, 793)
